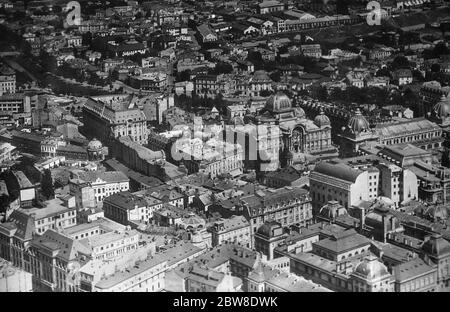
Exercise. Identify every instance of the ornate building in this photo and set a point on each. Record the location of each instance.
(114, 116)
(298, 135)
(419, 132)
(356, 133)
(95, 150)
(441, 116)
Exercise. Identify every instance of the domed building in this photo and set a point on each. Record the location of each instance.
(95, 150)
(267, 237)
(441, 110)
(372, 276)
(356, 133)
(278, 102)
(331, 211)
(437, 249)
(322, 120)
(441, 116)
(358, 123)
(296, 133)
(420, 132)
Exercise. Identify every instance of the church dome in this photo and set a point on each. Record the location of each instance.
(358, 123)
(442, 108)
(322, 120)
(95, 145)
(277, 102)
(371, 269)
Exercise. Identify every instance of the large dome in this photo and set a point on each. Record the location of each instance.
(358, 123)
(371, 269)
(95, 145)
(322, 120)
(278, 102)
(442, 108)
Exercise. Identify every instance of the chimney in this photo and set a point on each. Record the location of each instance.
(362, 219)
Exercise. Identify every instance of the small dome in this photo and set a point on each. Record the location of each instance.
(299, 112)
(267, 229)
(95, 145)
(442, 108)
(436, 246)
(358, 123)
(322, 120)
(371, 269)
(278, 102)
(332, 210)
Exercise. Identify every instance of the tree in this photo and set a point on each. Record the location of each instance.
(265, 93)
(322, 93)
(435, 68)
(184, 75)
(400, 62)
(275, 76)
(222, 68)
(440, 49)
(47, 185)
(383, 72)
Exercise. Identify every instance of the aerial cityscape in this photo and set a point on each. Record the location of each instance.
(246, 146)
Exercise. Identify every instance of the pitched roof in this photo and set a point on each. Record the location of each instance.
(344, 241)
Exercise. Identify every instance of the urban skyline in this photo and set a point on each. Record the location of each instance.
(241, 146)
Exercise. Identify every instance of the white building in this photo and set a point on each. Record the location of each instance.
(350, 185)
(103, 184)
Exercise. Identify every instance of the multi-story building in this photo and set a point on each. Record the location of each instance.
(431, 92)
(111, 245)
(56, 215)
(5, 152)
(288, 206)
(213, 157)
(125, 207)
(7, 80)
(152, 81)
(343, 263)
(268, 237)
(311, 50)
(280, 133)
(202, 279)
(15, 103)
(115, 116)
(145, 276)
(267, 279)
(144, 160)
(206, 33)
(349, 183)
(419, 132)
(434, 182)
(233, 230)
(91, 26)
(103, 184)
(415, 276)
(270, 6)
(13, 279)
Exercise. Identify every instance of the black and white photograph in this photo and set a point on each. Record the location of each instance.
(242, 147)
